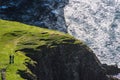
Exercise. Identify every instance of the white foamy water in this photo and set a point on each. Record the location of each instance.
(97, 23)
(117, 76)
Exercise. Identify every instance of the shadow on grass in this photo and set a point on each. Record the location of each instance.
(27, 76)
(28, 73)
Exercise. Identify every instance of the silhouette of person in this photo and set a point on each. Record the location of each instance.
(11, 59)
(3, 74)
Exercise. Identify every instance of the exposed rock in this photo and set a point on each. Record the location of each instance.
(65, 62)
(111, 69)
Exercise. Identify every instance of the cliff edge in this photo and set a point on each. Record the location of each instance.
(42, 54)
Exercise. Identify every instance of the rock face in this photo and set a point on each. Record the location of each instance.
(111, 69)
(45, 13)
(98, 24)
(65, 62)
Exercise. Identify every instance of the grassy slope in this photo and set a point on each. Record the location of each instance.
(14, 35)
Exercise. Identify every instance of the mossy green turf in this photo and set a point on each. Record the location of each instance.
(15, 36)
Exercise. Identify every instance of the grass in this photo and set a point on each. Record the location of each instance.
(15, 36)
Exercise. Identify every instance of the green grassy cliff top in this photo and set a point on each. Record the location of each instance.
(15, 36)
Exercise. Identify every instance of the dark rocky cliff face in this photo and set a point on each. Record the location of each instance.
(65, 62)
(45, 13)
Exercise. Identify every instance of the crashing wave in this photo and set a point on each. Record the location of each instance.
(97, 22)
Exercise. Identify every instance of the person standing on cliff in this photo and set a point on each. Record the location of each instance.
(3, 74)
(11, 59)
